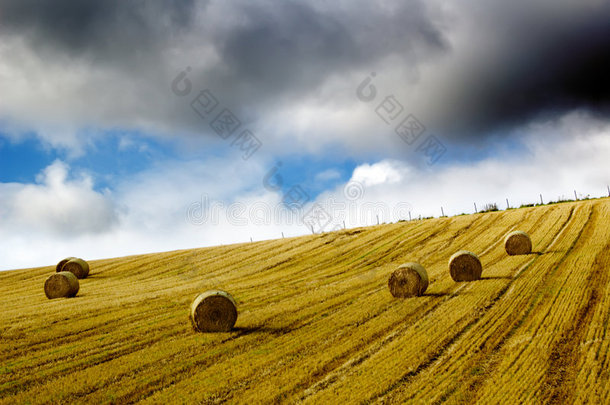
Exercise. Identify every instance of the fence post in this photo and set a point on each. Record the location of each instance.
(475, 208)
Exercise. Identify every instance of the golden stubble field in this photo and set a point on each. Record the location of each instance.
(318, 325)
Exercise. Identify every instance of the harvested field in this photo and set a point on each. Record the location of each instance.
(317, 322)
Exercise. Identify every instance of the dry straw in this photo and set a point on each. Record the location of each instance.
(60, 265)
(409, 280)
(465, 266)
(79, 267)
(60, 285)
(213, 311)
(518, 243)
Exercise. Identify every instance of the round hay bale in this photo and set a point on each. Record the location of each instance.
(60, 265)
(60, 285)
(213, 311)
(465, 266)
(409, 280)
(78, 267)
(518, 243)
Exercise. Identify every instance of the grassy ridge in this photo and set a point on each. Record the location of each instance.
(317, 323)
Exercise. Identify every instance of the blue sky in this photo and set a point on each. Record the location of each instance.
(106, 156)
(102, 153)
(110, 156)
(22, 160)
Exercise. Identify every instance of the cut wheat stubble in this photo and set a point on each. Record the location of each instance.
(213, 311)
(465, 266)
(61, 285)
(409, 280)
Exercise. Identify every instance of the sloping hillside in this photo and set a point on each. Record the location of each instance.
(317, 323)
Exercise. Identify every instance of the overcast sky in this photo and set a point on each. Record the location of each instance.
(129, 126)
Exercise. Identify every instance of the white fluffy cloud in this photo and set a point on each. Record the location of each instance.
(58, 206)
(385, 172)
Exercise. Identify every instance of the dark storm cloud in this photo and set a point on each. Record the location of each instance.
(539, 60)
(110, 28)
(274, 44)
(263, 55)
(284, 51)
(119, 52)
(501, 64)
